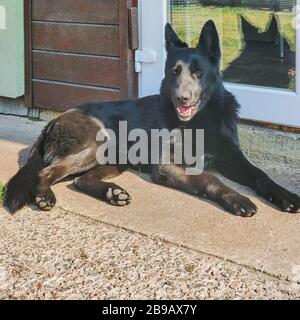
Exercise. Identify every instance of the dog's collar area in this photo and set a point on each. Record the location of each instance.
(182, 126)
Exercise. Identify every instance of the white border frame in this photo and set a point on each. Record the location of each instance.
(257, 103)
(153, 15)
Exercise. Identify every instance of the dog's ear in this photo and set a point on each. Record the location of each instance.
(209, 41)
(172, 40)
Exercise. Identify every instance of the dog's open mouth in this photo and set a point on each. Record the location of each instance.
(186, 112)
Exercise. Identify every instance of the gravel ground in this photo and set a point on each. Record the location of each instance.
(62, 255)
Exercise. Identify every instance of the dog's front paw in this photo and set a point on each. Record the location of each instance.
(285, 200)
(239, 205)
(117, 196)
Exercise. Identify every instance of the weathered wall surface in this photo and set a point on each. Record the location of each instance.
(266, 144)
(274, 151)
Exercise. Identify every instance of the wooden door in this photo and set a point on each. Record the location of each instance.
(77, 51)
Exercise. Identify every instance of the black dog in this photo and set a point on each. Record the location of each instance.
(192, 96)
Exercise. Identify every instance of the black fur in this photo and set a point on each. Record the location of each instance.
(21, 189)
(192, 96)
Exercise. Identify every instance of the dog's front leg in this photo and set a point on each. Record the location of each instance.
(239, 169)
(204, 185)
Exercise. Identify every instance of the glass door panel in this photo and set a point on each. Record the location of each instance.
(260, 42)
(258, 37)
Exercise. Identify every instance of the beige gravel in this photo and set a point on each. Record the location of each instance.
(61, 255)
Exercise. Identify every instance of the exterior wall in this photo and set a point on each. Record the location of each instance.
(268, 145)
(11, 48)
(274, 151)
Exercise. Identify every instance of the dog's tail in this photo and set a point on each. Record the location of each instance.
(21, 189)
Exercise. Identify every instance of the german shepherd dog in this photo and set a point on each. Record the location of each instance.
(192, 96)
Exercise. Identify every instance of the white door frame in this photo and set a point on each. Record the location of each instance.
(257, 103)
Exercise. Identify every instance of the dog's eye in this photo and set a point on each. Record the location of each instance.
(177, 70)
(198, 73)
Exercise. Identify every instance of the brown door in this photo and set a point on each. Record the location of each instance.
(78, 51)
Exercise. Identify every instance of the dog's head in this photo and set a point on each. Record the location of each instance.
(191, 74)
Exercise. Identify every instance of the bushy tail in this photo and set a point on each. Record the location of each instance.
(21, 189)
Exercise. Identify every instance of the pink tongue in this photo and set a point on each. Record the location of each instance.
(184, 109)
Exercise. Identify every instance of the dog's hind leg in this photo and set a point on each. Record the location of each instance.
(45, 198)
(92, 184)
(71, 165)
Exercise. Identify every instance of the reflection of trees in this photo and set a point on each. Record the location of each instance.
(275, 5)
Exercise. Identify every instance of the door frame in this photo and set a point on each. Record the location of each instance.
(278, 106)
(152, 39)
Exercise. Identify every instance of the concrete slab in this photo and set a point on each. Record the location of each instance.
(62, 255)
(268, 242)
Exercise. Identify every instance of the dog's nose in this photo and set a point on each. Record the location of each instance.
(182, 99)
